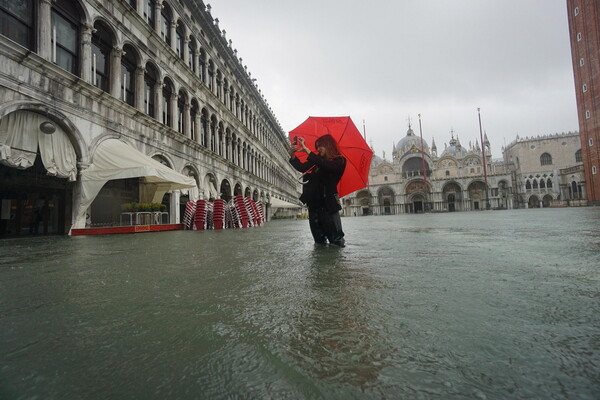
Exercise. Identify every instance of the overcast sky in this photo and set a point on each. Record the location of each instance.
(383, 60)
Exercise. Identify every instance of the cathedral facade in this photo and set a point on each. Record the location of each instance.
(533, 172)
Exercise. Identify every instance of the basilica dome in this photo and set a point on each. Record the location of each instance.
(376, 160)
(409, 141)
(455, 149)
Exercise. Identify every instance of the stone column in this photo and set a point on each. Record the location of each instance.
(157, 93)
(157, 18)
(86, 53)
(174, 111)
(187, 131)
(139, 89)
(197, 129)
(174, 207)
(173, 28)
(185, 52)
(115, 76)
(45, 30)
(139, 6)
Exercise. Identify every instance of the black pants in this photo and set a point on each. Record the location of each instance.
(326, 227)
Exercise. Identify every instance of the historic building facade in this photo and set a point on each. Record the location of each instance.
(547, 170)
(534, 172)
(584, 30)
(158, 76)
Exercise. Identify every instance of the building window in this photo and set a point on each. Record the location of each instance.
(584, 88)
(590, 142)
(581, 62)
(594, 169)
(535, 184)
(579, 37)
(165, 24)
(149, 12)
(549, 183)
(528, 185)
(65, 36)
(128, 67)
(588, 114)
(192, 54)
(150, 80)
(546, 159)
(167, 93)
(101, 49)
(17, 22)
(385, 178)
(180, 40)
(578, 157)
(576, 11)
(447, 173)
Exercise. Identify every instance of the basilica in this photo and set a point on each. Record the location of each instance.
(533, 172)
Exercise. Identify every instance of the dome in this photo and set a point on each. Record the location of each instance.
(455, 149)
(375, 161)
(409, 141)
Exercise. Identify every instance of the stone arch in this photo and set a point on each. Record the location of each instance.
(452, 194)
(237, 190)
(56, 116)
(533, 201)
(225, 190)
(477, 194)
(210, 186)
(386, 199)
(547, 200)
(248, 192)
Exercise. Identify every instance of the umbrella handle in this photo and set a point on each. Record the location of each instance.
(300, 178)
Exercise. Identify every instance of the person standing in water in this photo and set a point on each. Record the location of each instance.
(321, 173)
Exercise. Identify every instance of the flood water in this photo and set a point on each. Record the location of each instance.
(479, 305)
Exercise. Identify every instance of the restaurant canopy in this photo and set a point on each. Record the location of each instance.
(114, 159)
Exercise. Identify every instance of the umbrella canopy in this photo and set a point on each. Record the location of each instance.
(352, 145)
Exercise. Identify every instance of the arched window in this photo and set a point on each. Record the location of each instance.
(549, 183)
(167, 93)
(542, 184)
(578, 157)
(546, 159)
(205, 131)
(101, 48)
(150, 12)
(17, 21)
(180, 39)
(165, 24)
(528, 185)
(574, 188)
(150, 80)
(535, 184)
(65, 35)
(128, 67)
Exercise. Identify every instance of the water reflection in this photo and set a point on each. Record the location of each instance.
(336, 339)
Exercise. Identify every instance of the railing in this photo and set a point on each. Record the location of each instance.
(144, 218)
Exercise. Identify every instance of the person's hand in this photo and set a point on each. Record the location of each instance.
(292, 150)
(304, 148)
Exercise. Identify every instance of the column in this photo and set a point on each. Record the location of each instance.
(173, 29)
(187, 131)
(139, 89)
(174, 111)
(115, 75)
(157, 11)
(86, 53)
(185, 52)
(197, 128)
(174, 207)
(157, 101)
(45, 30)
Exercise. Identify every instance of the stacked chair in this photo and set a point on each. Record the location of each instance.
(188, 215)
(218, 218)
(201, 214)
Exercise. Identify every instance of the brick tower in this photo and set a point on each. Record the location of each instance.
(584, 30)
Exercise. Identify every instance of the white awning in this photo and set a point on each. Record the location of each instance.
(114, 159)
(278, 203)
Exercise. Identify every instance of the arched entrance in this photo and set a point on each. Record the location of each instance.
(477, 195)
(37, 170)
(385, 197)
(417, 194)
(547, 200)
(533, 202)
(452, 195)
(225, 190)
(363, 199)
(237, 190)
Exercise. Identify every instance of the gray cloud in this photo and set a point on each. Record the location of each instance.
(382, 61)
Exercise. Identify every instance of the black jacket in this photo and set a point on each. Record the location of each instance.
(320, 187)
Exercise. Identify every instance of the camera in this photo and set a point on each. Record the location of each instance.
(295, 140)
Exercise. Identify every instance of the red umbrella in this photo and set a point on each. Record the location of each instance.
(350, 142)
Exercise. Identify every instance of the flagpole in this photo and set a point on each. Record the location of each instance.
(422, 154)
(487, 198)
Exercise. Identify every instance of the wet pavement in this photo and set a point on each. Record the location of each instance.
(480, 305)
